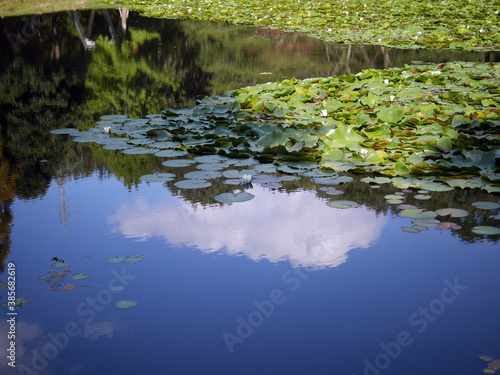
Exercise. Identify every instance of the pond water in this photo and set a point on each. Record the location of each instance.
(280, 284)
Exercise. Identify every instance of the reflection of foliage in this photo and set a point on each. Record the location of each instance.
(135, 78)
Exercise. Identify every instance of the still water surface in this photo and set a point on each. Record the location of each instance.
(281, 284)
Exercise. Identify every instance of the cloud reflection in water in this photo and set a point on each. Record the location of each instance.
(277, 226)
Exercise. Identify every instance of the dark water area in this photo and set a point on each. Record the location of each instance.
(281, 284)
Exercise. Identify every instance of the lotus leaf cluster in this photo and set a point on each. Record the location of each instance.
(458, 24)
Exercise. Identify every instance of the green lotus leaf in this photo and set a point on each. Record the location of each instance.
(394, 201)
(342, 204)
(115, 260)
(486, 230)
(125, 305)
(178, 163)
(453, 212)
(212, 166)
(60, 265)
(79, 276)
(289, 178)
(331, 190)
(232, 181)
(19, 301)
(435, 186)
(203, 175)
(333, 180)
(426, 222)
(116, 288)
(488, 371)
(497, 216)
(406, 206)
(246, 162)
(417, 213)
(391, 115)
(392, 196)
(137, 151)
(486, 358)
(411, 229)
(159, 177)
(132, 260)
(192, 184)
(486, 205)
(233, 198)
(170, 153)
(422, 197)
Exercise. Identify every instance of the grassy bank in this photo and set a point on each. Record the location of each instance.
(24, 7)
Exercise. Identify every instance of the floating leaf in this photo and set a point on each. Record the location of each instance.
(486, 358)
(79, 276)
(453, 212)
(406, 206)
(60, 265)
(426, 222)
(178, 163)
(159, 177)
(448, 225)
(233, 198)
(341, 204)
(125, 305)
(170, 153)
(486, 230)
(65, 131)
(417, 213)
(192, 184)
(411, 229)
(422, 197)
(486, 205)
(134, 259)
(115, 260)
(331, 190)
(333, 180)
(19, 301)
(67, 287)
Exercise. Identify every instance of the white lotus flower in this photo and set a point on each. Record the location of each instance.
(107, 129)
(363, 153)
(324, 113)
(246, 178)
(392, 97)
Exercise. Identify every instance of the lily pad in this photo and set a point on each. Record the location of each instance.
(192, 184)
(486, 358)
(134, 259)
(486, 205)
(448, 225)
(203, 175)
(67, 287)
(406, 206)
(417, 213)
(125, 305)
(159, 177)
(453, 212)
(426, 222)
(422, 197)
(115, 260)
(19, 301)
(342, 204)
(331, 190)
(486, 230)
(60, 265)
(178, 163)
(137, 151)
(411, 229)
(79, 276)
(170, 153)
(233, 198)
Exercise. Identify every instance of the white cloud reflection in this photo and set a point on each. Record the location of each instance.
(277, 226)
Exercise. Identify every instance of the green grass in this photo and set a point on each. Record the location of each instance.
(25, 7)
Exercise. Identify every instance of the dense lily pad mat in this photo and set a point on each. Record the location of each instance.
(457, 24)
(434, 127)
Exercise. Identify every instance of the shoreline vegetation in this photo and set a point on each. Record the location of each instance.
(470, 25)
